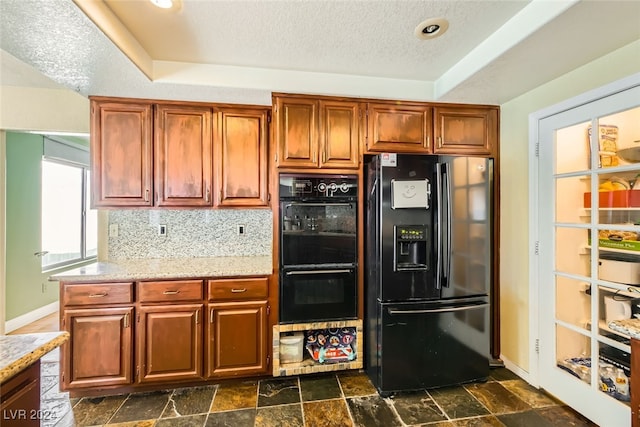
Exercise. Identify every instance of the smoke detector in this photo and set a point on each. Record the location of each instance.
(431, 28)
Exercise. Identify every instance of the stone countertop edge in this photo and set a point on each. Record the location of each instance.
(628, 327)
(19, 351)
(169, 268)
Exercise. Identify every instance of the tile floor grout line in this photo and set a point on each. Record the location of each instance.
(304, 423)
(117, 409)
(439, 407)
(344, 397)
(464, 387)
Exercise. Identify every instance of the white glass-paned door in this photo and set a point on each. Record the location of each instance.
(588, 222)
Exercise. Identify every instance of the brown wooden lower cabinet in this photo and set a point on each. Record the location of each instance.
(170, 343)
(20, 399)
(634, 382)
(237, 339)
(100, 349)
(151, 334)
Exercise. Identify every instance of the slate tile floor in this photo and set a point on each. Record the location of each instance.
(328, 400)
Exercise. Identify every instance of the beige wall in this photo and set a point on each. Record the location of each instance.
(34, 109)
(514, 164)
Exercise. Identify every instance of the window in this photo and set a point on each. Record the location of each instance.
(69, 225)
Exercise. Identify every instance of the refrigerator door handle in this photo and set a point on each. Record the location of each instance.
(443, 226)
(439, 226)
(438, 310)
(446, 271)
(443, 244)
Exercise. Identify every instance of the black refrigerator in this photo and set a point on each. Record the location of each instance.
(428, 269)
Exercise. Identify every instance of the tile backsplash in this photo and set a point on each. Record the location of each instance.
(190, 233)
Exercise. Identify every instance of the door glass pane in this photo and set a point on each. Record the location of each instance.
(61, 212)
(573, 353)
(615, 304)
(614, 372)
(573, 255)
(619, 135)
(572, 148)
(573, 199)
(573, 302)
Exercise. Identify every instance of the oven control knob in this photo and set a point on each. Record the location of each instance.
(322, 187)
(344, 187)
(333, 187)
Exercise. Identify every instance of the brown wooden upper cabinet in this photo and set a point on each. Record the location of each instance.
(178, 154)
(183, 155)
(465, 130)
(398, 127)
(241, 157)
(121, 153)
(316, 132)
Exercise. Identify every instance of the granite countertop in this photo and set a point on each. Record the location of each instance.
(19, 351)
(628, 327)
(170, 268)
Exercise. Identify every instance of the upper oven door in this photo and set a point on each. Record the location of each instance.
(314, 233)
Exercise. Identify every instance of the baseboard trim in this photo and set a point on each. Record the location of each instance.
(516, 369)
(32, 316)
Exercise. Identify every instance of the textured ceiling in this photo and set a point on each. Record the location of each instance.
(240, 51)
(374, 38)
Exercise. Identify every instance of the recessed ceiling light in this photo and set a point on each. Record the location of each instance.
(431, 28)
(164, 4)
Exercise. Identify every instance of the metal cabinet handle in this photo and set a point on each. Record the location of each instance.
(171, 292)
(239, 291)
(197, 316)
(211, 316)
(207, 196)
(146, 195)
(41, 253)
(307, 272)
(103, 294)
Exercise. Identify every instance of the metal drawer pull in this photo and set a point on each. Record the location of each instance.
(41, 253)
(171, 292)
(103, 294)
(239, 291)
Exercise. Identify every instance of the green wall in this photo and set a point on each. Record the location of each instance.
(24, 291)
(27, 288)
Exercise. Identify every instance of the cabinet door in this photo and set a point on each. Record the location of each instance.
(465, 130)
(183, 155)
(398, 128)
(297, 132)
(20, 399)
(121, 154)
(241, 157)
(170, 343)
(237, 339)
(99, 352)
(339, 136)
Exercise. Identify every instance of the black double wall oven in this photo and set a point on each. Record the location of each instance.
(318, 247)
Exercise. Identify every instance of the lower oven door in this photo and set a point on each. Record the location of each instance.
(318, 294)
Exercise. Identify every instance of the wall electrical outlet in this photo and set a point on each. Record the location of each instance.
(242, 229)
(113, 230)
(162, 230)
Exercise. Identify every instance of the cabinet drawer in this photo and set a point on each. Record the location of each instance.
(238, 289)
(171, 290)
(97, 293)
